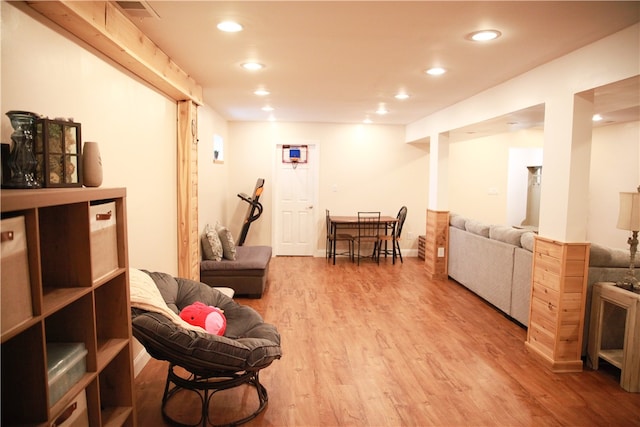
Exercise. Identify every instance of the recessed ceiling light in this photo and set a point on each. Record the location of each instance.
(402, 95)
(367, 121)
(252, 66)
(229, 26)
(261, 92)
(596, 117)
(272, 118)
(484, 35)
(267, 108)
(381, 110)
(436, 71)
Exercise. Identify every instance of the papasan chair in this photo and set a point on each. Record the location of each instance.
(213, 363)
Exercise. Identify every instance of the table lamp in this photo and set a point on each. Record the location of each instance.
(629, 219)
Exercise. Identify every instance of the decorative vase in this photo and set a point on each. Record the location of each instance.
(22, 162)
(91, 165)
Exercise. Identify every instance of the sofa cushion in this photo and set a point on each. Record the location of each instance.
(249, 260)
(477, 227)
(506, 234)
(211, 244)
(527, 239)
(457, 221)
(228, 244)
(620, 258)
(600, 256)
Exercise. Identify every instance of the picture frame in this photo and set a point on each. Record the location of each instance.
(58, 151)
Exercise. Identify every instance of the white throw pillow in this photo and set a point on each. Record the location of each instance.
(211, 245)
(228, 244)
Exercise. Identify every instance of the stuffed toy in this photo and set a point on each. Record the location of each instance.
(210, 318)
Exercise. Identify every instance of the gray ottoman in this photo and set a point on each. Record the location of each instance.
(246, 275)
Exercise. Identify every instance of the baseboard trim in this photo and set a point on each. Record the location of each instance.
(140, 361)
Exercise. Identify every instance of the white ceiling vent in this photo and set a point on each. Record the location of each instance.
(138, 9)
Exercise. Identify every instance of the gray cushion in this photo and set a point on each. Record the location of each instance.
(621, 258)
(506, 234)
(211, 244)
(247, 258)
(601, 256)
(457, 221)
(228, 244)
(477, 227)
(527, 239)
(248, 342)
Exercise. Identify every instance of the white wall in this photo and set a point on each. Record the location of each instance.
(614, 168)
(213, 196)
(479, 174)
(481, 164)
(363, 165)
(49, 72)
(369, 166)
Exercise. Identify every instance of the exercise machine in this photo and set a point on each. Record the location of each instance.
(254, 210)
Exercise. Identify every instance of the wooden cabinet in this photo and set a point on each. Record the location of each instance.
(558, 293)
(70, 303)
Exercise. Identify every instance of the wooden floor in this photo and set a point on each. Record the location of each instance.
(383, 346)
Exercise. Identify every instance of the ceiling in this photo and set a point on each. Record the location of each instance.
(337, 61)
(617, 102)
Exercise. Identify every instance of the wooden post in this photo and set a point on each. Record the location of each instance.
(558, 294)
(188, 241)
(436, 252)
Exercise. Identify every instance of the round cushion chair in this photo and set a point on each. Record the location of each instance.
(213, 363)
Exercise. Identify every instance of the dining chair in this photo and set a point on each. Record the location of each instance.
(368, 232)
(394, 237)
(333, 237)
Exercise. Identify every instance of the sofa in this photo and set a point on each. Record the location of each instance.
(246, 274)
(495, 262)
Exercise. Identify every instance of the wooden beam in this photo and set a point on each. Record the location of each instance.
(188, 237)
(103, 26)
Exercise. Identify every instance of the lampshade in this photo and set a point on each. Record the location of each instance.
(629, 216)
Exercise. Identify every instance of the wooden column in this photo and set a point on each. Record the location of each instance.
(558, 295)
(436, 251)
(188, 240)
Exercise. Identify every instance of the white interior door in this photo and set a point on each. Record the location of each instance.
(295, 198)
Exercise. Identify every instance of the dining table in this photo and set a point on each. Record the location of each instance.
(351, 221)
(387, 223)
